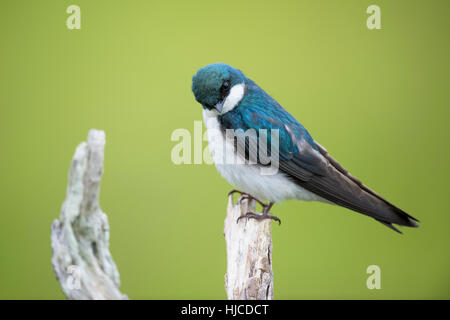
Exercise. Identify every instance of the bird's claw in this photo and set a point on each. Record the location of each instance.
(266, 207)
(256, 216)
(235, 191)
(243, 195)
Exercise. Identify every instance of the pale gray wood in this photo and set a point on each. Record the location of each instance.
(249, 254)
(81, 259)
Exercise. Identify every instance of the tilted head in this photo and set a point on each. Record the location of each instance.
(218, 86)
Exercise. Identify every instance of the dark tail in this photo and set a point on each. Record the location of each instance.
(409, 221)
(342, 188)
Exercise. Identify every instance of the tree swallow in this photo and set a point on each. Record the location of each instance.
(231, 101)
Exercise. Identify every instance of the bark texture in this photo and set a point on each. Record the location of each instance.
(81, 259)
(249, 254)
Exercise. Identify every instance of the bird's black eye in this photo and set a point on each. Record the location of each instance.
(226, 84)
(225, 88)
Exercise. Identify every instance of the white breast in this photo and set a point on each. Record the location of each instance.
(247, 177)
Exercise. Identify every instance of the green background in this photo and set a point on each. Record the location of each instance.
(376, 99)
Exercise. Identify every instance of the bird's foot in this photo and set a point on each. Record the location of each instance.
(252, 215)
(236, 191)
(265, 214)
(244, 196)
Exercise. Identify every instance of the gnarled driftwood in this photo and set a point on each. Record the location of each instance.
(81, 259)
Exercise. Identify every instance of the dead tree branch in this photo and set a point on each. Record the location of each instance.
(81, 259)
(249, 254)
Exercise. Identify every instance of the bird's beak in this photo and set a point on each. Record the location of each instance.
(219, 106)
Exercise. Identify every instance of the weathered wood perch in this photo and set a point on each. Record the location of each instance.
(249, 254)
(81, 259)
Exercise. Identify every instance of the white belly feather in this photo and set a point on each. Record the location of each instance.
(247, 177)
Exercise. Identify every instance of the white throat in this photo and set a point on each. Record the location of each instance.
(234, 97)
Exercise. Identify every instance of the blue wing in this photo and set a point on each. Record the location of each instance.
(306, 162)
(260, 111)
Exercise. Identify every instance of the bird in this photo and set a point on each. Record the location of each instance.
(232, 102)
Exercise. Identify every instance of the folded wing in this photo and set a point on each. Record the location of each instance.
(332, 182)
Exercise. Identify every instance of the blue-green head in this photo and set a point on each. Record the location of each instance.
(212, 85)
